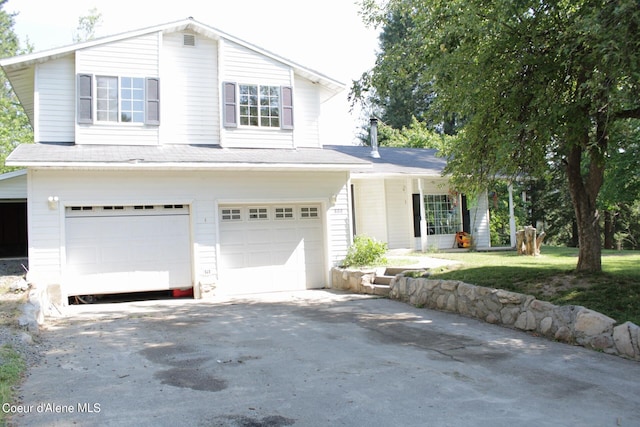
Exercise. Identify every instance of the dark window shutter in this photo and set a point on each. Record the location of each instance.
(152, 94)
(287, 108)
(230, 118)
(85, 98)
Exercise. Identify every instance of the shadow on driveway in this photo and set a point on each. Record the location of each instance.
(314, 358)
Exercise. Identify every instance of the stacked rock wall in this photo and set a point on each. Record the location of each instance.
(571, 324)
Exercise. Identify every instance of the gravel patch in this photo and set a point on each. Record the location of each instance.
(28, 344)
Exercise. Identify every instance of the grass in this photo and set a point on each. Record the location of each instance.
(12, 367)
(551, 277)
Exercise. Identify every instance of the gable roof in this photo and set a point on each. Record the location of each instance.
(395, 160)
(180, 157)
(20, 69)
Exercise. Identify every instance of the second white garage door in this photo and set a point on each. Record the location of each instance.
(118, 249)
(267, 248)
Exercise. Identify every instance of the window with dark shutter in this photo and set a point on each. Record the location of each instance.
(287, 108)
(153, 101)
(85, 98)
(230, 115)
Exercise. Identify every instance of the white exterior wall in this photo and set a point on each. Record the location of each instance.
(190, 88)
(399, 213)
(55, 91)
(13, 185)
(134, 57)
(339, 225)
(306, 114)
(243, 66)
(189, 107)
(203, 191)
(370, 210)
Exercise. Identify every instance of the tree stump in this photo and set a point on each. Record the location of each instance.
(527, 243)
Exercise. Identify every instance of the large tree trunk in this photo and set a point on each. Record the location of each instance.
(584, 192)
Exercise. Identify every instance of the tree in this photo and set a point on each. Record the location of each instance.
(534, 79)
(87, 26)
(14, 123)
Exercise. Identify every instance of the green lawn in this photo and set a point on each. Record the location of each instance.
(551, 277)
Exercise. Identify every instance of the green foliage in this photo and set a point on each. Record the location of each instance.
(12, 367)
(534, 80)
(14, 123)
(365, 251)
(87, 26)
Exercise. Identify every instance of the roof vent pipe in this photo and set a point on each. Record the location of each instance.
(374, 138)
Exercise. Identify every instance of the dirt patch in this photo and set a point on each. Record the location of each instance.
(553, 286)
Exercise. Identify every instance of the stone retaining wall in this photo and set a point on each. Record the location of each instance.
(570, 324)
(356, 281)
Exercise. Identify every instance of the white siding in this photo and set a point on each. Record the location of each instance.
(339, 227)
(306, 114)
(134, 57)
(370, 210)
(13, 185)
(202, 191)
(190, 91)
(56, 89)
(480, 230)
(399, 214)
(244, 66)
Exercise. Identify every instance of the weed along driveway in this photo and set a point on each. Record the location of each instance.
(314, 358)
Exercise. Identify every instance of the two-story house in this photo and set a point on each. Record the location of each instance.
(179, 156)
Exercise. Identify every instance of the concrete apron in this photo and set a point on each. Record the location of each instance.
(314, 358)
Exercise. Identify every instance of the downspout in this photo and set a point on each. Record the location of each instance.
(374, 138)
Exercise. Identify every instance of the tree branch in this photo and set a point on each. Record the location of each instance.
(633, 113)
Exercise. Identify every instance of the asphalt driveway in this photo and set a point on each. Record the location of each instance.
(314, 358)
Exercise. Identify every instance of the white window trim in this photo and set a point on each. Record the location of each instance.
(118, 122)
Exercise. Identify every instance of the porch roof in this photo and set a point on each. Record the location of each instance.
(395, 160)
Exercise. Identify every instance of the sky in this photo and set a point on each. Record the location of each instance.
(328, 36)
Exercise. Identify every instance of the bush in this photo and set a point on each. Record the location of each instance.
(365, 251)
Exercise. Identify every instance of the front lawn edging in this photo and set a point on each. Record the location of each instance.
(571, 324)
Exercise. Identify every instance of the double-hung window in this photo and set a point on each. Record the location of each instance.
(256, 105)
(118, 99)
(260, 106)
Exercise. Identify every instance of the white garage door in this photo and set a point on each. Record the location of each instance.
(271, 248)
(116, 249)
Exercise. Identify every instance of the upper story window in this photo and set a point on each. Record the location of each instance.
(118, 99)
(258, 106)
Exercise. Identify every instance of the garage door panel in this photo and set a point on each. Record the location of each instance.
(113, 252)
(284, 252)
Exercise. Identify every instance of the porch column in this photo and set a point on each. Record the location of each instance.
(423, 219)
(512, 219)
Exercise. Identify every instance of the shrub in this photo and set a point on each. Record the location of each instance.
(365, 251)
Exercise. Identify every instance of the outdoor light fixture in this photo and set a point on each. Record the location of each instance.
(53, 202)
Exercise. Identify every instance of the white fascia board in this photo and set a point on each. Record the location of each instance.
(190, 166)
